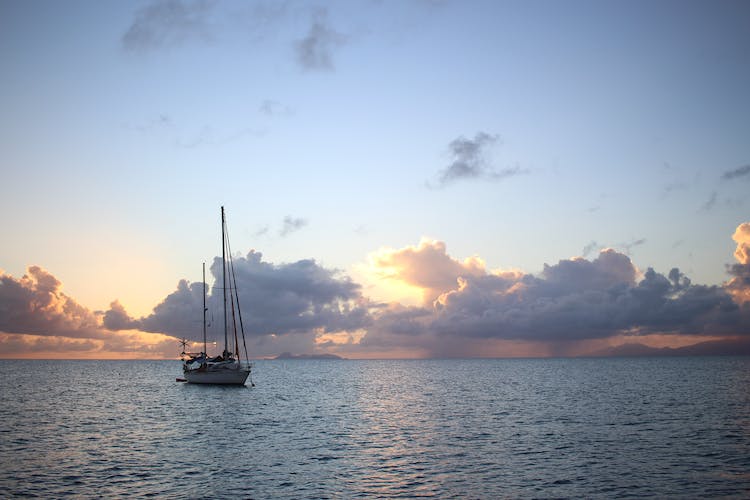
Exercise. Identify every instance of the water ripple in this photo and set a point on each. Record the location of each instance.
(594, 428)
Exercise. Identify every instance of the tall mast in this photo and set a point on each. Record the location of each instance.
(205, 352)
(224, 279)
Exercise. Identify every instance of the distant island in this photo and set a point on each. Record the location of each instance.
(289, 355)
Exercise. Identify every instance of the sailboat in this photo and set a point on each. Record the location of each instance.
(228, 368)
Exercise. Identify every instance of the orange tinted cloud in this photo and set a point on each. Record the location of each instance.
(742, 237)
(574, 307)
(38, 319)
(426, 266)
(36, 304)
(570, 308)
(739, 285)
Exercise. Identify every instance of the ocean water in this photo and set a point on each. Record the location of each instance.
(575, 428)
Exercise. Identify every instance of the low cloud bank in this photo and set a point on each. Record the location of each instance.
(572, 301)
(466, 310)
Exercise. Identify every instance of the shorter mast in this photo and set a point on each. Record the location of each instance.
(205, 351)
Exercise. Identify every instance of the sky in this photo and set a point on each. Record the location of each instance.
(402, 178)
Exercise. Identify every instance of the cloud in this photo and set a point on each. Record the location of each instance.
(36, 304)
(116, 318)
(741, 236)
(739, 285)
(469, 161)
(628, 246)
(292, 224)
(269, 107)
(571, 301)
(315, 51)
(167, 23)
(179, 314)
(574, 306)
(16, 344)
(262, 231)
(37, 317)
(743, 171)
(673, 187)
(426, 266)
(276, 300)
(710, 203)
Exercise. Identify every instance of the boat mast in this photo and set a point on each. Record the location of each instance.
(205, 352)
(224, 279)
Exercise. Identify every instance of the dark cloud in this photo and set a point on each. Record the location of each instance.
(315, 51)
(571, 301)
(587, 300)
(36, 316)
(179, 314)
(166, 23)
(292, 224)
(35, 304)
(297, 298)
(302, 306)
(116, 318)
(469, 161)
(743, 171)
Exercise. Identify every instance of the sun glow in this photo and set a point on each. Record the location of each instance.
(386, 285)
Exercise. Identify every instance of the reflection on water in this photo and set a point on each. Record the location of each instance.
(470, 428)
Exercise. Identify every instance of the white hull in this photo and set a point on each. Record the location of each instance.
(224, 376)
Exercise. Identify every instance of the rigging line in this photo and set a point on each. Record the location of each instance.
(236, 292)
(232, 295)
(234, 325)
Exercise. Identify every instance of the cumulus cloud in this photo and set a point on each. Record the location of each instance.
(468, 161)
(300, 297)
(315, 51)
(166, 23)
(287, 307)
(116, 318)
(467, 309)
(427, 266)
(37, 317)
(179, 314)
(739, 285)
(36, 304)
(741, 236)
(573, 300)
(743, 171)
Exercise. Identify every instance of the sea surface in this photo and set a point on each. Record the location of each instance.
(532, 428)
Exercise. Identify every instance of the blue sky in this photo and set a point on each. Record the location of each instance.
(521, 133)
